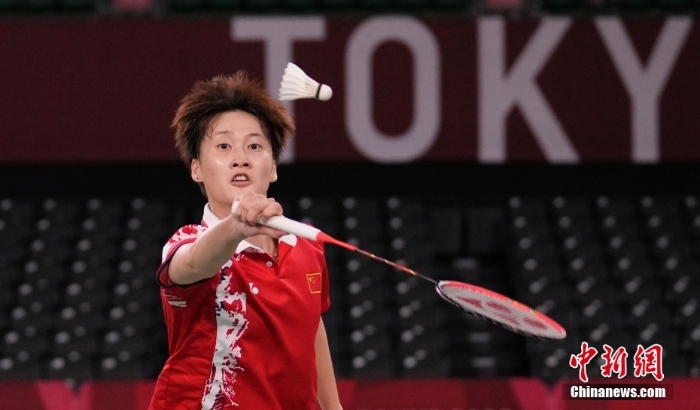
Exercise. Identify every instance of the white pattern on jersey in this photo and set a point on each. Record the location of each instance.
(230, 325)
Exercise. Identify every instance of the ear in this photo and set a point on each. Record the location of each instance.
(195, 171)
(274, 172)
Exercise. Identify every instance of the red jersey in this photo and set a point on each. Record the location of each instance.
(244, 338)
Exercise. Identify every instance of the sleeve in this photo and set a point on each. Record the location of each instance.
(186, 234)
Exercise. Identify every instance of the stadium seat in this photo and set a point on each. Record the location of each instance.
(367, 313)
(35, 316)
(596, 312)
(543, 293)
(422, 356)
(371, 354)
(19, 369)
(126, 339)
(92, 272)
(418, 317)
(133, 295)
(95, 228)
(363, 233)
(85, 295)
(29, 294)
(132, 315)
(14, 231)
(591, 289)
(409, 289)
(533, 245)
(644, 313)
(122, 367)
(77, 339)
(26, 341)
(72, 368)
(357, 268)
(628, 267)
(18, 211)
(668, 244)
(315, 207)
(576, 246)
(572, 207)
(682, 290)
(523, 225)
(574, 225)
(535, 268)
(466, 364)
(534, 208)
(638, 288)
(83, 315)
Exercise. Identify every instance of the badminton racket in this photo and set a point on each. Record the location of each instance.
(471, 298)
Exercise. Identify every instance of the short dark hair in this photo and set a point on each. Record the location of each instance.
(225, 93)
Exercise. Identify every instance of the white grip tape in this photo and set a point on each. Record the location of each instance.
(291, 226)
(284, 224)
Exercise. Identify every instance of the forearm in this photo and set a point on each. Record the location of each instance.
(327, 388)
(203, 258)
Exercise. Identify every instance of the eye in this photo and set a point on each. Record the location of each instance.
(255, 146)
(223, 146)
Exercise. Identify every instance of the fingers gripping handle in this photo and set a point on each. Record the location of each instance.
(286, 225)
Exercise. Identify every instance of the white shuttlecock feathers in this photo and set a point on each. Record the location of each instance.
(296, 84)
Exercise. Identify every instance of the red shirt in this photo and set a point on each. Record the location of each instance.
(244, 338)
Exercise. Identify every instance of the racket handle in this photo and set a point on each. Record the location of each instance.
(285, 224)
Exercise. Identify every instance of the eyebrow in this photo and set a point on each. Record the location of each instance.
(251, 134)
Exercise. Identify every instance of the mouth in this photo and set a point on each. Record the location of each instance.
(240, 180)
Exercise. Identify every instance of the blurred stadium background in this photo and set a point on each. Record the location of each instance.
(585, 207)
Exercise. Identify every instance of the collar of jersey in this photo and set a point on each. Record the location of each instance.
(209, 220)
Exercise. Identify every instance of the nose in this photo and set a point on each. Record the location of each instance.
(240, 159)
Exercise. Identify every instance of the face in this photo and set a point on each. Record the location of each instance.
(235, 156)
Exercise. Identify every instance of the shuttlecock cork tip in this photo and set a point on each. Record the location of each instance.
(324, 93)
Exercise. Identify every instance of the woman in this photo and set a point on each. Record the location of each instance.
(242, 302)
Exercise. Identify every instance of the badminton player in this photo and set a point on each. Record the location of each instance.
(242, 302)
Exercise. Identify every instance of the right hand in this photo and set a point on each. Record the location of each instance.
(251, 210)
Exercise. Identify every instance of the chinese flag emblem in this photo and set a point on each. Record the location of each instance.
(314, 280)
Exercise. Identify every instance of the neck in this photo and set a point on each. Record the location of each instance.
(264, 242)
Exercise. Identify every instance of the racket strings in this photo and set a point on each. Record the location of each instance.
(500, 310)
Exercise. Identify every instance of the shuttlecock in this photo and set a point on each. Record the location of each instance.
(296, 84)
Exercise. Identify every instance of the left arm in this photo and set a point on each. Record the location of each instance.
(327, 389)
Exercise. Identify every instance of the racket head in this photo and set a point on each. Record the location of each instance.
(500, 309)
